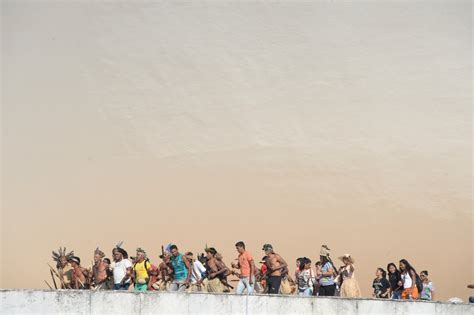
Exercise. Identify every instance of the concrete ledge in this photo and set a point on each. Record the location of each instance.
(120, 302)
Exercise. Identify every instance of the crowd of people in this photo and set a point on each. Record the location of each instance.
(207, 272)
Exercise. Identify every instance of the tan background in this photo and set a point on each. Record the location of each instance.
(293, 123)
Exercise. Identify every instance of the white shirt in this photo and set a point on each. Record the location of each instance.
(407, 281)
(198, 269)
(120, 270)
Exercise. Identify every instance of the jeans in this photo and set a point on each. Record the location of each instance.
(178, 286)
(305, 292)
(396, 295)
(123, 287)
(244, 283)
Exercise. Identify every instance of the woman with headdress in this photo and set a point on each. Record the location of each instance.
(350, 286)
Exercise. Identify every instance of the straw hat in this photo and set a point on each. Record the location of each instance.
(324, 251)
(347, 256)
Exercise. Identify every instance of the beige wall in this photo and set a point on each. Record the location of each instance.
(293, 123)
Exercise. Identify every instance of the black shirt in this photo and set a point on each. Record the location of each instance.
(393, 278)
(380, 287)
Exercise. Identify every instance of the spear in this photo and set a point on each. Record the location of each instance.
(48, 284)
(54, 280)
(57, 275)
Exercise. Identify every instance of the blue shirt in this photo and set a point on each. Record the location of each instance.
(179, 267)
(325, 281)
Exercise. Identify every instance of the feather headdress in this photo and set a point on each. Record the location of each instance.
(61, 253)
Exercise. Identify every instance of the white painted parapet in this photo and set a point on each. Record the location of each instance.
(122, 302)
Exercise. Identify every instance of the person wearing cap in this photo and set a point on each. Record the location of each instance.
(121, 268)
(198, 272)
(247, 269)
(275, 265)
(327, 286)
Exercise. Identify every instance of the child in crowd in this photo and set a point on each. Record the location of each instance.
(305, 278)
(427, 294)
(381, 285)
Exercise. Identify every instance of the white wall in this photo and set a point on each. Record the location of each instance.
(88, 302)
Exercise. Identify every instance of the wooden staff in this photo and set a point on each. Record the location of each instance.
(54, 280)
(48, 284)
(57, 275)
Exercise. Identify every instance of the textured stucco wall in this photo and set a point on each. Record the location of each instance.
(87, 302)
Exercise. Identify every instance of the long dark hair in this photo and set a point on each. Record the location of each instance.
(384, 273)
(395, 266)
(408, 267)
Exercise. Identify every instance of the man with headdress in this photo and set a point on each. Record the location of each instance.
(80, 275)
(165, 270)
(63, 267)
(99, 271)
(214, 283)
(122, 268)
(226, 272)
(275, 266)
(141, 269)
